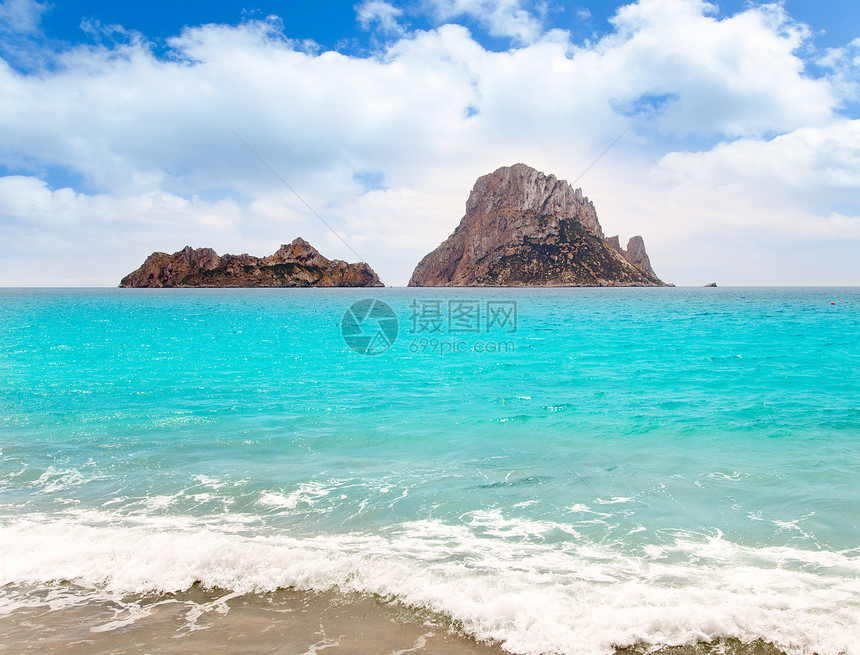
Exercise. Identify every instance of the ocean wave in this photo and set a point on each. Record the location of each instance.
(571, 596)
(307, 494)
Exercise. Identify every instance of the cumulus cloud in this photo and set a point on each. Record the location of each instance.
(782, 210)
(20, 32)
(844, 66)
(673, 63)
(63, 237)
(814, 162)
(380, 14)
(21, 16)
(795, 186)
(153, 136)
(506, 18)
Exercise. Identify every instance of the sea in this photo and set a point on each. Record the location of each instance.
(573, 471)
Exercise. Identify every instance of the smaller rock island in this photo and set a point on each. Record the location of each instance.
(297, 264)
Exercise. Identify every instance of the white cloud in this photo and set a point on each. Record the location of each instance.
(428, 115)
(506, 18)
(381, 14)
(773, 211)
(68, 238)
(736, 76)
(844, 64)
(809, 164)
(21, 16)
(797, 186)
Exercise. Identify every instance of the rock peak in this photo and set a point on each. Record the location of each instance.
(301, 252)
(523, 188)
(525, 228)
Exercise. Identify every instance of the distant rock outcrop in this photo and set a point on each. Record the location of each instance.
(524, 228)
(298, 264)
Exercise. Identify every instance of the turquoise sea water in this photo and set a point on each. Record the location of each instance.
(617, 467)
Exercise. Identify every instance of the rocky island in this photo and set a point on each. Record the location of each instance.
(298, 264)
(525, 228)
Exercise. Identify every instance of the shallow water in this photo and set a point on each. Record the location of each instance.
(618, 467)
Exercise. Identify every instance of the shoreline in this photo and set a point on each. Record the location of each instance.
(215, 620)
(286, 621)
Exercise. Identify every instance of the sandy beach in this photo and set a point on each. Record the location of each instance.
(286, 622)
(217, 621)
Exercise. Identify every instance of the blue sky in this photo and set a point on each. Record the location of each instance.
(333, 25)
(740, 160)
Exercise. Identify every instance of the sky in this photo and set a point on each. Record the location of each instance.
(129, 128)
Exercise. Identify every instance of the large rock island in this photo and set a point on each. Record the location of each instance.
(298, 264)
(524, 228)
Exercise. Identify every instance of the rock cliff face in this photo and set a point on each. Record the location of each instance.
(634, 254)
(524, 228)
(295, 265)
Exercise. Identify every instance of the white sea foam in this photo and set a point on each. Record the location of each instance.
(734, 476)
(161, 501)
(613, 501)
(417, 646)
(533, 597)
(305, 496)
(325, 642)
(494, 523)
(208, 481)
(579, 508)
(54, 479)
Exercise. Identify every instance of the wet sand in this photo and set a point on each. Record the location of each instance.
(285, 622)
(718, 647)
(206, 621)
